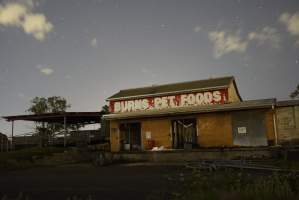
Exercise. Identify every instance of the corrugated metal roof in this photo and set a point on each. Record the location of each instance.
(287, 103)
(71, 117)
(245, 105)
(215, 83)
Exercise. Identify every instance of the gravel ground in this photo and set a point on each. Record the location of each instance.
(85, 181)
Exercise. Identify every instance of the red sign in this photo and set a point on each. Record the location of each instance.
(173, 101)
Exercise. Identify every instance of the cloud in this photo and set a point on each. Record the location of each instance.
(12, 14)
(292, 23)
(225, 43)
(94, 43)
(148, 72)
(68, 76)
(196, 29)
(37, 25)
(21, 95)
(45, 70)
(20, 15)
(267, 35)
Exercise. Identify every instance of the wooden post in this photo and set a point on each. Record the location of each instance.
(41, 135)
(274, 124)
(65, 132)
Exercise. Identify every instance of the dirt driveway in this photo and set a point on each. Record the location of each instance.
(85, 180)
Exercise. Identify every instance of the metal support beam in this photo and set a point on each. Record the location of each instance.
(12, 132)
(65, 131)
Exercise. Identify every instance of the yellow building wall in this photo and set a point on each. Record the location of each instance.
(232, 93)
(215, 130)
(160, 131)
(114, 136)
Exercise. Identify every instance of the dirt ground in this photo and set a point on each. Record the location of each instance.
(85, 181)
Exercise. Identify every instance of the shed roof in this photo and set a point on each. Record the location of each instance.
(3, 135)
(244, 105)
(287, 103)
(156, 90)
(71, 117)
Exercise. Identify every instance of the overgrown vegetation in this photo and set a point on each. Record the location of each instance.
(25, 158)
(230, 185)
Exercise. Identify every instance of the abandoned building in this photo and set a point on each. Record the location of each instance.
(204, 113)
(187, 115)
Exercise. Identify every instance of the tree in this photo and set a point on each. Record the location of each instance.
(105, 109)
(105, 126)
(295, 93)
(52, 104)
(41, 105)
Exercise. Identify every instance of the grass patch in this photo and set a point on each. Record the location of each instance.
(25, 158)
(232, 184)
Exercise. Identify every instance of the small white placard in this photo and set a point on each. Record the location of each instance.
(242, 130)
(148, 135)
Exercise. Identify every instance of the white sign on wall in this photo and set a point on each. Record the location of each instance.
(148, 135)
(242, 130)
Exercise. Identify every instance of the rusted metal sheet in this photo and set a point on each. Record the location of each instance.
(249, 128)
(171, 101)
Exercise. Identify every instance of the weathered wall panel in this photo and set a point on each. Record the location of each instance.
(159, 130)
(214, 130)
(288, 124)
(249, 128)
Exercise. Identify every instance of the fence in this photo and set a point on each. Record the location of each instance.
(32, 139)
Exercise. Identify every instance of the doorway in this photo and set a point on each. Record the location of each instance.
(184, 133)
(130, 136)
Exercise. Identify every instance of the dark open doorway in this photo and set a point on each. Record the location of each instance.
(130, 136)
(184, 133)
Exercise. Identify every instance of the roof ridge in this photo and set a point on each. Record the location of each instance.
(167, 84)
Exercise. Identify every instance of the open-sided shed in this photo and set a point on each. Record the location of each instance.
(65, 118)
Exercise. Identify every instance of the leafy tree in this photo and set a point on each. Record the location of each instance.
(295, 93)
(105, 126)
(52, 104)
(105, 109)
(42, 105)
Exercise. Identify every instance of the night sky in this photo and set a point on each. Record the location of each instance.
(87, 50)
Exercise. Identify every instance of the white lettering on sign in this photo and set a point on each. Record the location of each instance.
(150, 103)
